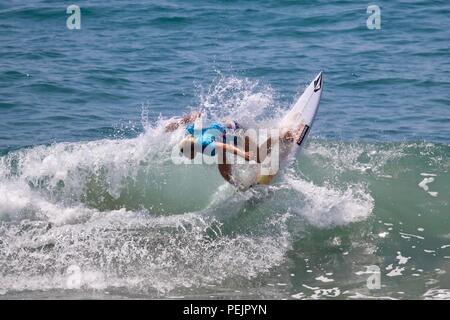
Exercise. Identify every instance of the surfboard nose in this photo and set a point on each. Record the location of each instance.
(318, 82)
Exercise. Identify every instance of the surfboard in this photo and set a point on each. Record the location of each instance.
(298, 121)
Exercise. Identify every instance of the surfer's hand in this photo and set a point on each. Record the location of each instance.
(192, 117)
(248, 156)
(185, 120)
(172, 126)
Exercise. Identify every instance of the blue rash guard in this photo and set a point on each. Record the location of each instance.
(207, 136)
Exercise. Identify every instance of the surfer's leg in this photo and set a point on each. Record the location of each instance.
(267, 179)
(223, 166)
(225, 171)
(262, 151)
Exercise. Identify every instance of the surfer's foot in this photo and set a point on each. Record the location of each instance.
(265, 179)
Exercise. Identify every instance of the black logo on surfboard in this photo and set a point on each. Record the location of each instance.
(318, 83)
(303, 134)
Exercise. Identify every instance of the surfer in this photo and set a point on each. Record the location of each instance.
(212, 140)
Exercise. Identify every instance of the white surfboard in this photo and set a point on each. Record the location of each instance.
(299, 119)
(303, 112)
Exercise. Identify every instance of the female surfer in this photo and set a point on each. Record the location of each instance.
(212, 140)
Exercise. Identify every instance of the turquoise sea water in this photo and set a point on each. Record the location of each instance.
(92, 206)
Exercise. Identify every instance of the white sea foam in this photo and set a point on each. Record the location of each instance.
(395, 272)
(120, 214)
(142, 252)
(409, 235)
(437, 294)
(424, 185)
(324, 279)
(324, 206)
(401, 259)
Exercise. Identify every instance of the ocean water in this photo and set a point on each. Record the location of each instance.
(91, 205)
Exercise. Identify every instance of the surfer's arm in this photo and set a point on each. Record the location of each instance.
(189, 118)
(234, 150)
